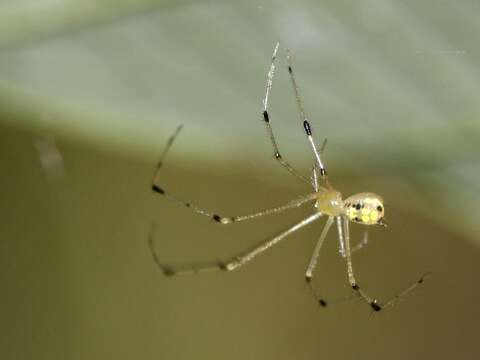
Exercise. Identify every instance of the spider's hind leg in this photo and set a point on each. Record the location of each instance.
(374, 303)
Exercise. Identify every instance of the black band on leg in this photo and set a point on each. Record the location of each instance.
(266, 118)
(158, 189)
(307, 128)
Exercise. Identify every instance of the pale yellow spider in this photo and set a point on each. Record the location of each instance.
(363, 208)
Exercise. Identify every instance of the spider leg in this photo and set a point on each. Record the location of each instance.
(315, 171)
(232, 263)
(314, 178)
(306, 125)
(266, 119)
(374, 304)
(362, 243)
(218, 218)
(314, 259)
(404, 292)
(341, 243)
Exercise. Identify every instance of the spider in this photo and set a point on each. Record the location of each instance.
(364, 208)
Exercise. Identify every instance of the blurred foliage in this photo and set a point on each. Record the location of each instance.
(392, 84)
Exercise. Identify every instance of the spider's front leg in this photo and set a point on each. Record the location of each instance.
(266, 120)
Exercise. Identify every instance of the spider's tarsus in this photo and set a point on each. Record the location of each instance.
(321, 302)
(423, 277)
(168, 271)
(375, 305)
(158, 189)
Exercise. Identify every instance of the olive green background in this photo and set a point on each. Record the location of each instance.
(90, 92)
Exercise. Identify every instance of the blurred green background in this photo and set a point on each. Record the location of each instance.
(90, 92)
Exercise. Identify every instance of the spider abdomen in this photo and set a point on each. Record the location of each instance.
(365, 208)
